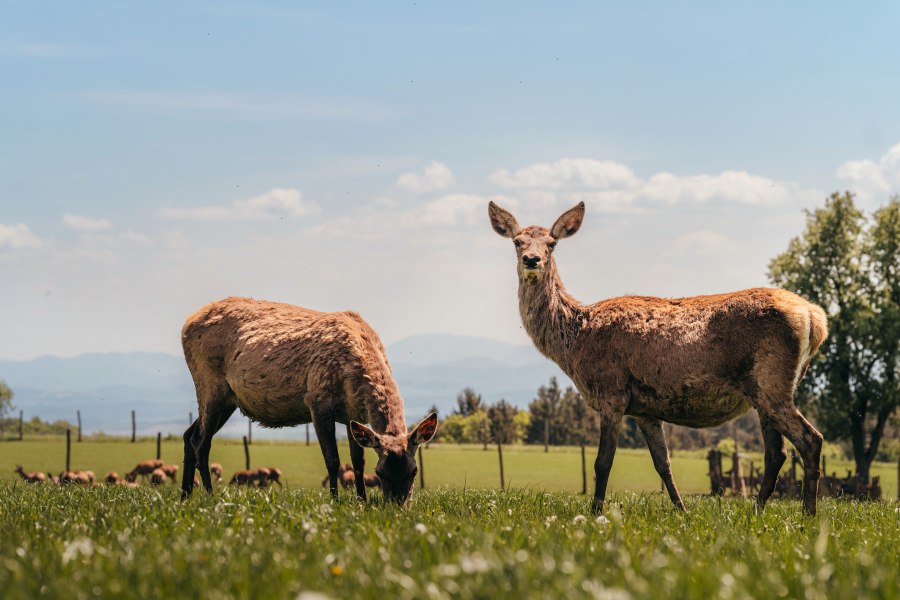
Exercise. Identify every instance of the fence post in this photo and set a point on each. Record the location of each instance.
(133, 427)
(737, 481)
(421, 470)
(249, 431)
(824, 467)
(307, 434)
(500, 454)
(794, 465)
(20, 426)
(78, 412)
(583, 472)
(68, 448)
(246, 453)
(547, 433)
(158, 445)
(190, 419)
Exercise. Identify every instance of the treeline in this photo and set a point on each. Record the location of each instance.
(560, 417)
(9, 427)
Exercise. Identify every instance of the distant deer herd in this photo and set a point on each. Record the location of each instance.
(697, 361)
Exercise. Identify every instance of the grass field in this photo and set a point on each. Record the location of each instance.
(445, 465)
(73, 542)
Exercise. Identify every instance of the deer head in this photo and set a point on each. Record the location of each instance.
(534, 244)
(396, 467)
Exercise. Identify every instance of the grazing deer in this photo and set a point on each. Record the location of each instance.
(249, 476)
(347, 478)
(696, 361)
(29, 476)
(284, 365)
(275, 476)
(158, 477)
(171, 472)
(216, 469)
(144, 468)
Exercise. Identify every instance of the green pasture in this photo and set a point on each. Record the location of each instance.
(558, 470)
(109, 542)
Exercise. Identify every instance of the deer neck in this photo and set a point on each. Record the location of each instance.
(384, 404)
(551, 316)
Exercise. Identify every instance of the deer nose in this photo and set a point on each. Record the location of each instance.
(531, 262)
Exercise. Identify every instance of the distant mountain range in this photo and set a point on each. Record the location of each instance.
(430, 370)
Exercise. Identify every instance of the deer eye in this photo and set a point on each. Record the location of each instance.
(551, 245)
(517, 243)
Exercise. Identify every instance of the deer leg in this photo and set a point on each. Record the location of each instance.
(775, 455)
(190, 460)
(808, 441)
(215, 419)
(656, 441)
(609, 438)
(358, 458)
(323, 421)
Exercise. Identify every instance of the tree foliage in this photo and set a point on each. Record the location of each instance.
(849, 266)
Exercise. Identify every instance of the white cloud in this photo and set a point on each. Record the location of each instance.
(276, 203)
(873, 180)
(17, 237)
(729, 187)
(468, 209)
(86, 224)
(569, 173)
(436, 176)
(611, 187)
(704, 243)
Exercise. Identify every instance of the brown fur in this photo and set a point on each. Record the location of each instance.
(144, 468)
(29, 476)
(697, 361)
(171, 472)
(158, 477)
(284, 365)
(216, 469)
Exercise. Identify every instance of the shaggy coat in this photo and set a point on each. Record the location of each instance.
(697, 361)
(285, 365)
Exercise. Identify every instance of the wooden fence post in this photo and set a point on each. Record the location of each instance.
(794, 465)
(158, 445)
(190, 419)
(20, 426)
(246, 453)
(824, 466)
(307, 434)
(547, 433)
(583, 472)
(249, 431)
(68, 448)
(78, 412)
(421, 470)
(500, 454)
(133, 427)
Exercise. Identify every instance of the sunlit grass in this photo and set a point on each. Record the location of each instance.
(114, 542)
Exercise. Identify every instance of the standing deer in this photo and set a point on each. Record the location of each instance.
(284, 365)
(696, 361)
(30, 476)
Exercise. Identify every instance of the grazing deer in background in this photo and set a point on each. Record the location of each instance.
(29, 476)
(284, 365)
(216, 469)
(144, 468)
(696, 361)
(158, 477)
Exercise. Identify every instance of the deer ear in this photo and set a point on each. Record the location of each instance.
(569, 222)
(502, 221)
(364, 436)
(424, 431)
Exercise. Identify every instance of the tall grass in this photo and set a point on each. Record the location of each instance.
(239, 543)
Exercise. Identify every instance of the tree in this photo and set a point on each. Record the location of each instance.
(476, 428)
(545, 427)
(851, 272)
(6, 405)
(579, 422)
(502, 417)
(468, 402)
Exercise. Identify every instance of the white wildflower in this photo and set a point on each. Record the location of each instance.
(602, 520)
(74, 548)
(420, 527)
(579, 519)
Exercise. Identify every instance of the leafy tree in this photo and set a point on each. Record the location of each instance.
(852, 272)
(502, 416)
(468, 402)
(451, 429)
(545, 425)
(580, 422)
(6, 405)
(477, 429)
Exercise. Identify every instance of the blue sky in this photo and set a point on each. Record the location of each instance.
(157, 156)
